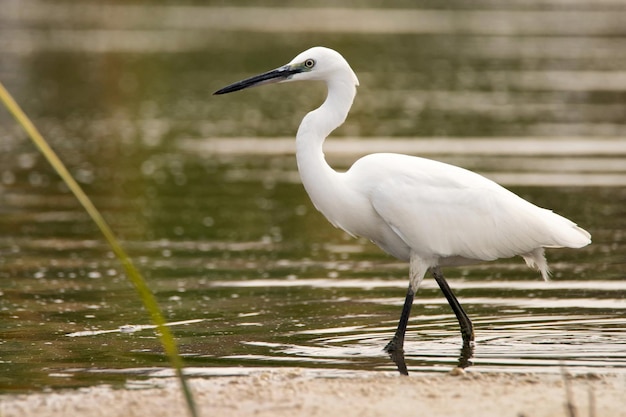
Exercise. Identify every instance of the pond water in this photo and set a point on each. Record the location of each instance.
(205, 196)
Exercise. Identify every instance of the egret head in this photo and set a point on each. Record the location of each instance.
(317, 63)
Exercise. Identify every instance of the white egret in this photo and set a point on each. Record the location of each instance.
(428, 213)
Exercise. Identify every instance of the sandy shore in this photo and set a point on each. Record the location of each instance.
(292, 392)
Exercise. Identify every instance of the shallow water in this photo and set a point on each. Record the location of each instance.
(205, 195)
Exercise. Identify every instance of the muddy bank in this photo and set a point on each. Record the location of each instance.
(292, 392)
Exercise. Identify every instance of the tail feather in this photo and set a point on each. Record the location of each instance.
(537, 260)
(580, 239)
(566, 233)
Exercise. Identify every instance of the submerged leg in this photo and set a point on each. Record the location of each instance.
(467, 353)
(395, 348)
(467, 330)
(397, 343)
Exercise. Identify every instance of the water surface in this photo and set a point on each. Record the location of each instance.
(204, 193)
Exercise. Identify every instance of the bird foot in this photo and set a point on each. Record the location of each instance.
(396, 352)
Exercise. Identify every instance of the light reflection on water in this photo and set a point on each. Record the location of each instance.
(275, 286)
(206, 197)
(302, 295)
(515, 342)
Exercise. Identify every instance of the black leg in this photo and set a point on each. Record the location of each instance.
(395, 347)
(467, 330)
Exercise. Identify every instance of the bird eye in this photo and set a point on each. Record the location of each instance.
(309, 63)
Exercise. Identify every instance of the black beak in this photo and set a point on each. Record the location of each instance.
(273, 76)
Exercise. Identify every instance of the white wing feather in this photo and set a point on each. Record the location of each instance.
(442, 211)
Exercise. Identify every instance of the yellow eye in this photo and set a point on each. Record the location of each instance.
(309, 63)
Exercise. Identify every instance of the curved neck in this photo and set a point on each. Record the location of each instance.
(319, 123)
(318, 178)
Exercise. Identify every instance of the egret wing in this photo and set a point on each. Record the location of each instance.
(442, 211)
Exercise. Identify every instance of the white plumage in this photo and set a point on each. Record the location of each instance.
(438, 213)
(419, 210)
